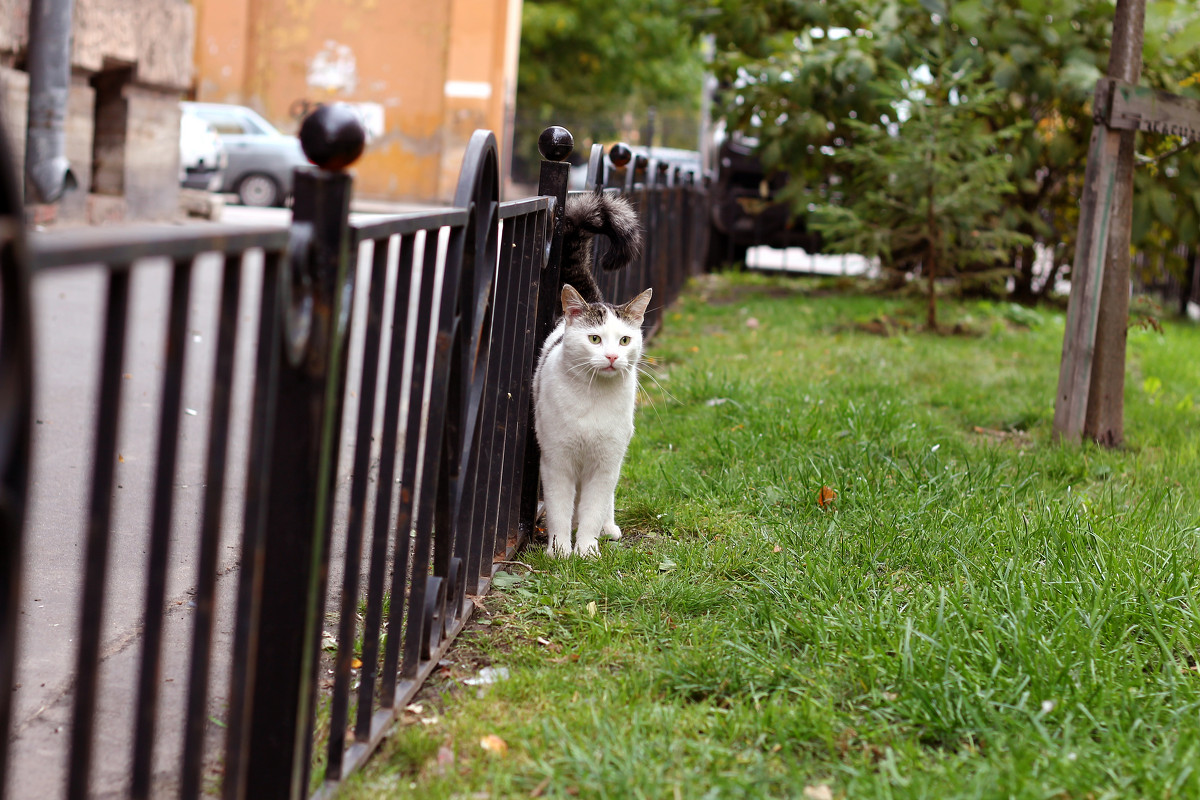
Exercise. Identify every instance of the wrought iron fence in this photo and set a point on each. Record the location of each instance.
(397, 352)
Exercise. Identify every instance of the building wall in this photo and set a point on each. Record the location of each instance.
(396, 60)
(149, 44)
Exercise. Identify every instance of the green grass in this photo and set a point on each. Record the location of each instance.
(981, 613)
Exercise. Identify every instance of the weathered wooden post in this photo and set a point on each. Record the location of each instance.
(1090, 398)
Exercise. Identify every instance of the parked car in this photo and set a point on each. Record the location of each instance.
(746, 211)
(202, 157)
(261, 159)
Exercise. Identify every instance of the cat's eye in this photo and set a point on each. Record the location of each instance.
(624, 340)
(595, 339)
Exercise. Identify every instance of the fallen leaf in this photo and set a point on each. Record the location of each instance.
(819, 792)
(776, 549)
(355, 663)
(753, 323)
(445, 759)
(826, 496)
(414, 708)
(540, 788)
(494, 744)
(591, 608)
(667, 565)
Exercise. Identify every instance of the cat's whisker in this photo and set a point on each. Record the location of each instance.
(662, 388)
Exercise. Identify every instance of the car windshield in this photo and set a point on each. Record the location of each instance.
(235, 121)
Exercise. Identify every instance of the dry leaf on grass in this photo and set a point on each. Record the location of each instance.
(819, 792)
(825, 497)
(494, 744)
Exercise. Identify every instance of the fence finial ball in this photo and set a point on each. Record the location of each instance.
(556, 143)
(620, 154)
(333, 136)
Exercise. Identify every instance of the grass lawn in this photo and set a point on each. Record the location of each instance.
(978, 613)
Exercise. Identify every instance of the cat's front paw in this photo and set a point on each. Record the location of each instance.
(611, 531)
(588, 549)
(558, 549)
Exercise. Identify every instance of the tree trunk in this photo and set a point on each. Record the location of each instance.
(1023, 280)
(1104, 421)
(931, 262)
(1187, 286)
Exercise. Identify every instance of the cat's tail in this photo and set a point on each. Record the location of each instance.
(586, 215)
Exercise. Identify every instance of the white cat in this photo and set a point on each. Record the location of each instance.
(584, 390)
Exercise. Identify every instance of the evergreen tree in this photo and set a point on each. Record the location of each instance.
(927, 190)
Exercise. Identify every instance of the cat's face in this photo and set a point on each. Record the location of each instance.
(602, 340)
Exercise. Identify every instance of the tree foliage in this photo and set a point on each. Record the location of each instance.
(600, 64)
(802, 71)
(928, 190)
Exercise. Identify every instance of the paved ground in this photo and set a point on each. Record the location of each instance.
(68, 307)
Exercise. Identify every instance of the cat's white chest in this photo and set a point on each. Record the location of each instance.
(584, 420)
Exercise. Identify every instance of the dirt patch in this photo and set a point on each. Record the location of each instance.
(886, 325)
(1019, 439)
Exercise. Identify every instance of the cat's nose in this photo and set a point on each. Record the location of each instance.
(612, 360)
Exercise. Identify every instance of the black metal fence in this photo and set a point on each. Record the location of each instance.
(395, 352)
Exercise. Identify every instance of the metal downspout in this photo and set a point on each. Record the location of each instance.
(46, 166)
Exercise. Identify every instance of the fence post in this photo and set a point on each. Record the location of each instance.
(299, 497)
(16, 411)
(555, 145)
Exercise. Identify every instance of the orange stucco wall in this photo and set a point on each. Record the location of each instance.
(393, 57)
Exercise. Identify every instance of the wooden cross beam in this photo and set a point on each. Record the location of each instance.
(1118, 106)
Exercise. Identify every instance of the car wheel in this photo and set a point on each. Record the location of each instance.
(259, 190)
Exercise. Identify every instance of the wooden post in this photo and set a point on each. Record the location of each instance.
(1087, 272)
(1105, 420)
(1090, 398)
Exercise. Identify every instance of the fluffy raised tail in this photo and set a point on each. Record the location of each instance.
(589, 214)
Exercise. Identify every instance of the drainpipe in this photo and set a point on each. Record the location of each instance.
(46, 166)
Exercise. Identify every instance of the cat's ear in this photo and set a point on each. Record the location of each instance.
(572, 302)
(635, 309)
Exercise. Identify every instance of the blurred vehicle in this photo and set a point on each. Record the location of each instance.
(746, 211)
(202, 156)
(261, 159)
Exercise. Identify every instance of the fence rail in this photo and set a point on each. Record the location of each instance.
(394, 353)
